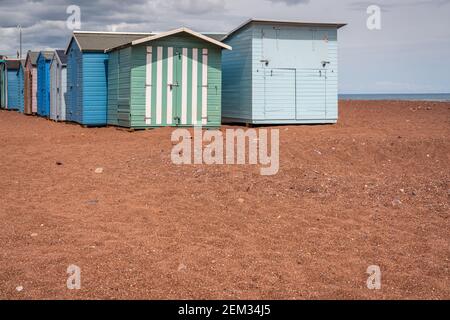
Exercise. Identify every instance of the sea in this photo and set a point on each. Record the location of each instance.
(398, 96)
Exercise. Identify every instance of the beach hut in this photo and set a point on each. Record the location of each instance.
(12, 83)
(3, 86)
(20, 84)
(281, 72)
(167, 79)
(87, 74)
(30, 83)
(58, 86)
(43, 83)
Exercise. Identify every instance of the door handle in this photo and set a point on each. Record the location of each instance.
(171, 85)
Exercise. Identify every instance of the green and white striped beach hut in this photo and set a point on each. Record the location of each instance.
(167, 79)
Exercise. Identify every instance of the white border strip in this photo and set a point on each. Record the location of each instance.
(205, 87)
(148, 87)
(184, 77)
(159, 67)
(169, 83)
(194, 85)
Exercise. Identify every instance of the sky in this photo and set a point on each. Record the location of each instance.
(410, 53)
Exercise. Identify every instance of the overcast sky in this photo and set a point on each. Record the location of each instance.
(411, 52)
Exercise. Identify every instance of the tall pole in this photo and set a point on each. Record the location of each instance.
(20, 41)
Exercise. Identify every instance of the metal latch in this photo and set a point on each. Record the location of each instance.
(171, 85)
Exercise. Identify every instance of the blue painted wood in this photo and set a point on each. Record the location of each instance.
(280, 94)
(305, 94)
(237, 76)
(20, 85)
(3, 84)
(95, 88)
(86, 86)
(74, 83)
(13, 89)
(43, 86)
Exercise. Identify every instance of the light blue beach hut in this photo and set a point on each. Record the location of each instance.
(281, 72)
(12, 84)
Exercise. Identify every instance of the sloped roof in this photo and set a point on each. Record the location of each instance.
(48, 55)
(21, 64)
(99, 41)
(12, 64)
(62, 56)
(284, 22)
(33, 56)
(180, 30)
(216, 36)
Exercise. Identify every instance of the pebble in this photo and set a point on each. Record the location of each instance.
(241, 200)
(396, 202)
(99, 170)
(182, 267)
(19, 288)
(34, 235)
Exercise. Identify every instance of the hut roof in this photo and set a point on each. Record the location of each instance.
(62, 56)
(153, 37)
(48, 55)
(99, 41)
(284, 22)
(12, 64)
(32, 55)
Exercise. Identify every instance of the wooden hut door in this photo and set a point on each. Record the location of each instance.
(191, 86)
(176, 86)
(279, 94)
(312, 99)
(58, 92)
(26, 93)
(279, 78)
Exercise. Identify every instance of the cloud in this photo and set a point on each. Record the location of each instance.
(290, 2)
(44, 21)
(198, 6)
(386, 5)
